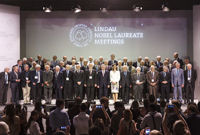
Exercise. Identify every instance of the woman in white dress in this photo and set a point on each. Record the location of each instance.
(114, 79)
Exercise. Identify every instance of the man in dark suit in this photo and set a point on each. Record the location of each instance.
(103, 82)
(125, 83)
(186, 61)
(58, 82)
(107, 67)
(144, 69)
(54, 62)
(90, 82)
(25, 84)
(190, 78)
(138, 84)
(125, 61)
(19, 65)
(39, 60)
(68, 83)
(178, 59)
(36, 83)
(137, 63)
(165, 79)
(66, 61)
(158, 63)
(85, 67)
(15, 84)
(44, 63)
(4, 78)
(146, 59)
(25, 62)
(78, 78)
(100, 61)
(97, 68)
(112, 61)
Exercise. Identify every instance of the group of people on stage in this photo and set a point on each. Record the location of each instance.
(98, 78)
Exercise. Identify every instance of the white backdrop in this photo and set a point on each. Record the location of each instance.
(9, 36)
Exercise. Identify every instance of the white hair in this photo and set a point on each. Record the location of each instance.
(189, 64)
(119, 61)
(37, 66)
(73, 61)
(6, 68)
(47, 66)
(84, 60)
(125, 58)
(146, 58)
(57, 67)
(177, 63)
(24, 59)
(165, 67)
(61, 62)
(142, 61)
(158, 56)
(90, 56)
(103, 65)
(138, 68)
(100, 56)
(152, 66)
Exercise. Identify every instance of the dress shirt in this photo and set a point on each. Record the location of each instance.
(138, 64)
(16, 74)
(103, 72)
(90, 62)
(80, 122)
(58, 118)
(38, 74)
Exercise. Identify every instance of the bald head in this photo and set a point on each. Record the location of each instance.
(4, 129)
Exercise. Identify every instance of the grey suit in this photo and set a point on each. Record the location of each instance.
(138, 88)
(48, 77)
(153, 89)
(177, 79)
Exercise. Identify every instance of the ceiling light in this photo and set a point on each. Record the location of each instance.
(104, 8)
(165, 8)
(76, 8)
(137, 8)
(47, 9)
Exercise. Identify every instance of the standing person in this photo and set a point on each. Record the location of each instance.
(78, 79)
(138, 84)
(158, 62)
(68, 82)
(54, 62)
(100, 61)
(58, 82)
(48, 84)
(112, 61)
(146, 59)
(36, 83)
(26, 85)
(153, 81)
(97, 68)
(90, 82)
(190, 78)
(137, 63)
(39, 60)
(178, 59)
(114, 79)
(177, 80)
(4, 78)
(125, 83)
(15, 84)
(165, 79)
(12, 120)
(103, 82)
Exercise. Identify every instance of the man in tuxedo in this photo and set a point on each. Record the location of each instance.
(54, 62)
(137, 63)
(15, 79)
(39, 60)
(97, 68)
(44, 63)
(138, 84)
(190, 78)
(48, 84)
(90, 60)
(144, 69)
(125, 83)
(58, 82)
(68, 83)
(66, 61)
(177, 80)
(90, 82)
(119, 65)
(78, 78)
(112, 61)
(125, 61)
(73, 66)
(62, 68)
(158, 62)
(146, 59)
(19, 65)
(153, 81)
(26, 84)
(81, 61)
(103, 81)
(36, 84)
(100, 61)
(165, 79)
(178, 59)
(85, 66)
(107, 67)
(4, 78)
(186, 62)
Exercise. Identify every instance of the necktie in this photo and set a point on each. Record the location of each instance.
(152, 75)
(96, 68)
(67, 73)
(142, 68)
(138, 76)
(164, 74)
(158, 64)
(103, 73)
(90, 71)
(81, 64)
(130, 69)
(125, 74)
(188, 73)
(6, 79)
(19, 69)
(177, 72)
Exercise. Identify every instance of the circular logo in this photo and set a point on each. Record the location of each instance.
(81, 35)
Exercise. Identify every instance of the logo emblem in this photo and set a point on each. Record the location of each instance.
(80, 35)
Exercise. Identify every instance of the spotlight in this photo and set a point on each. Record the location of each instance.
(104, 8)
(165, 8)
(76, 8)
(137, 8)
(47, 9)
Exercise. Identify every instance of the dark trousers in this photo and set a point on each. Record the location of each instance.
(90, 93)
(189, 92)
(79, 91)
(58, 93)
(96, 92)
(165, 90)
(103, 91)
(125, 94)
(15, 95)
(3, 94)
(68, 92)
(36, 92)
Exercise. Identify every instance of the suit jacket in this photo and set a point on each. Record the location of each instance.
(135, 64)
(71, 68)
(23, 78)
(97, 69)
(125, 81)
(103, 80)
(177, 78)
(55, 63)
(149, 78)
(18, 68)
(124, 64)
(157, 64)
(144, 69)
(161, 69)
(3, 79)
(43, 66)
(132, 70)
(12, 79)
(146, 64)
(70, 81)
(108, 68)
(119, 68)
(33, 80)
(67, 63)
(58, 81)
(115, 120)
(100, 63)
(78, 77)
(40, 63)
(166, 78)
(193, 122)
(141, 79)
(90, 82)
(193, 77)
(84, 68)
(110, 62)
(48, 77)
(24, 65)
(180, 61)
